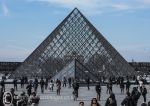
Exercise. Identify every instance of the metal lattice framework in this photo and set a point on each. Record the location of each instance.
(74, 38)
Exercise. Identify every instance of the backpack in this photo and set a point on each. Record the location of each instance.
(129, 102)
(137, 95)
(144, 91)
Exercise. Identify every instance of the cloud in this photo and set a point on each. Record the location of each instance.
(121, 6)
(99, 6)
(5, 9)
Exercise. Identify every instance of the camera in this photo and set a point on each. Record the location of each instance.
(7, 99)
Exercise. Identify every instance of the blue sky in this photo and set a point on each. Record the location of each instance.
(24, 24)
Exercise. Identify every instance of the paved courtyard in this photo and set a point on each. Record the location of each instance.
(66, 98)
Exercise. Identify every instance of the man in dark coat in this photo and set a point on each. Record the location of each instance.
(3, 85)
(15, 84)
(46, 82)
(75, 86)
(128, 85)
(69, 81)
(29, 89)
(135, 95)
(88, 83)
(35, 84)
(144, 92)
(128, 100)
(64, 82)
(122, 87)
(42, 83)
(98, 91)
(22, 82)
(1, 96)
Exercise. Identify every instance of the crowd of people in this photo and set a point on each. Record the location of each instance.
(29, 97)
(131, 98)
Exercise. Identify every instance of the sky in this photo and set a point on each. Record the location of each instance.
(24, 24)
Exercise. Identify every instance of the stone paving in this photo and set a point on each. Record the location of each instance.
(66, 98)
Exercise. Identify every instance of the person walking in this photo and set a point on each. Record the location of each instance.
(128, 85)
(128, 100)
(15, 84)
(135, 95)
(1, 96)
(29, 89)
(140, 84)
(42, 85)
(122, 87)
(64, 82)
(110, 86)
(58, 85)
(51, 85)
(75, 86)
(22, 82)
(144, 92)
(107, 85)
(3, 85)
(98, 91)
(35, 84)
(69, 81)
(88, 83)
(46, 83)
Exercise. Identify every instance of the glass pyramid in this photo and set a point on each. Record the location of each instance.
(74, 38)
(75, 70)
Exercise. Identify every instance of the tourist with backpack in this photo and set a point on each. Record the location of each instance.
(128, 100)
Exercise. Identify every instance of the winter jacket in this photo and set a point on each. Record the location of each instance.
(127, 101)
(110, 102)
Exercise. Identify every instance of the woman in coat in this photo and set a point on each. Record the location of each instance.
(111, 101)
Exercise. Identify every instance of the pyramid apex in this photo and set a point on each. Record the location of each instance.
(75, 9)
